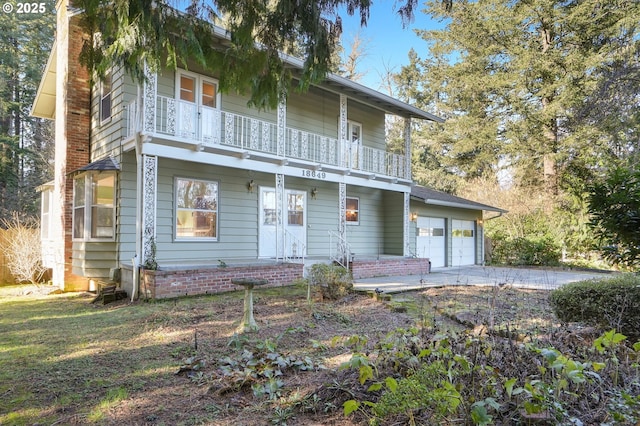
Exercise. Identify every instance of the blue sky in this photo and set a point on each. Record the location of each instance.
(388, 42)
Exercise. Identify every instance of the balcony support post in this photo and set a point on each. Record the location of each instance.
(281, 126)
(149, 95)
(280, 217)
(342, 221)
(405, 218)
(149, 191)
(407, 148)
(345, 148)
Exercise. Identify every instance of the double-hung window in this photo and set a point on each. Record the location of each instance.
(105, 97)
(353, 211)
(196, 209)
(94, 206)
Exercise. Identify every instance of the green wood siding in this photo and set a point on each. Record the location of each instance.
(237, 214)
(367, 237)
(394, 223)
(93, 259)
(373, 124)
(107, 136)
(126, 213)
(315, 111)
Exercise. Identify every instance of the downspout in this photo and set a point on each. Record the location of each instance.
(138, 255)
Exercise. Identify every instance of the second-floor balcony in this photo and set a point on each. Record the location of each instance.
(211, 127)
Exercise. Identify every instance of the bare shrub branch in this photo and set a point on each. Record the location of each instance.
(20, 242)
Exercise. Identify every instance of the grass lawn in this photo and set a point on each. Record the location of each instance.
(65, 361)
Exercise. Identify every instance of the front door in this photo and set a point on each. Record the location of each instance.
(198, 113)
(294, 218)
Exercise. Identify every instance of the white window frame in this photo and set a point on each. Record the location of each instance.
(350, 125)
(198, 80)
(352, 222)
(195, 238)
(89, 205)
(354, 146)
(106, 96)
(46, 213)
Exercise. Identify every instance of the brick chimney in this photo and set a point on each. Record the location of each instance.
(72, 131)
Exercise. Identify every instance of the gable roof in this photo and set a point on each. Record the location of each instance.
(44, 103)
(438, 198)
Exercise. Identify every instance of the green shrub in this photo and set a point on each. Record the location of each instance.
(612, 303)
(332, 281)
(525, 251)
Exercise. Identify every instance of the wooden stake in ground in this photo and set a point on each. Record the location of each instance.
(248, 321)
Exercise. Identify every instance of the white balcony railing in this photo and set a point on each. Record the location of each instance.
(213, 127)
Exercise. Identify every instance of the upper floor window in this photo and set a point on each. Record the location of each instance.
(353, 211)
(94, 206)
(105, 97)
(196, 209)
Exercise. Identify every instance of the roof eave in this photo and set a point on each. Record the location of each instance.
(469, 206)
(366, 94)
(44, 104)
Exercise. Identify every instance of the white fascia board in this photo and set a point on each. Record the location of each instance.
(44, 104)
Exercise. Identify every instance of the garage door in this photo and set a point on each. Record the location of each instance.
(430, 240)
(463, 242)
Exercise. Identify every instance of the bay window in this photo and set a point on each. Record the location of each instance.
(94, 206)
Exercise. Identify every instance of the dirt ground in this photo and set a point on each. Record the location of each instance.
(172, 362)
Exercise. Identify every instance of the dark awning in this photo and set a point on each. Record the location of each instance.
(104, 164)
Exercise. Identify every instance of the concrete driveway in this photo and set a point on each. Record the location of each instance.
(546, 279)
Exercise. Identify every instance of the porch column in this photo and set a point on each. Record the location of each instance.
(407, 148)
(342, 220)
(405, 216)
(281, 124)
(280, 216)
(345, 148)
(149, 95)
(149, 188)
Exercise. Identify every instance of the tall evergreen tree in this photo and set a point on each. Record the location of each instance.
(139, 33)
(516, 80)
(26, 143)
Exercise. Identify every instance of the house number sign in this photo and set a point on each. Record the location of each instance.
(308, 173)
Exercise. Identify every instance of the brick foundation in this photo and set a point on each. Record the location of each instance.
(163, 284)
(388, 267)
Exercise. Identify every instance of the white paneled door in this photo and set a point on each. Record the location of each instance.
(294, 218)
(198, 108)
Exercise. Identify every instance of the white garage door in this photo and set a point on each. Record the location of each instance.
(463, 242)
(430, 240)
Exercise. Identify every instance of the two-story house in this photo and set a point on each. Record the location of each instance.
(197, 188)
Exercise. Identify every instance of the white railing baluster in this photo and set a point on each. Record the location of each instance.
(178, 119)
